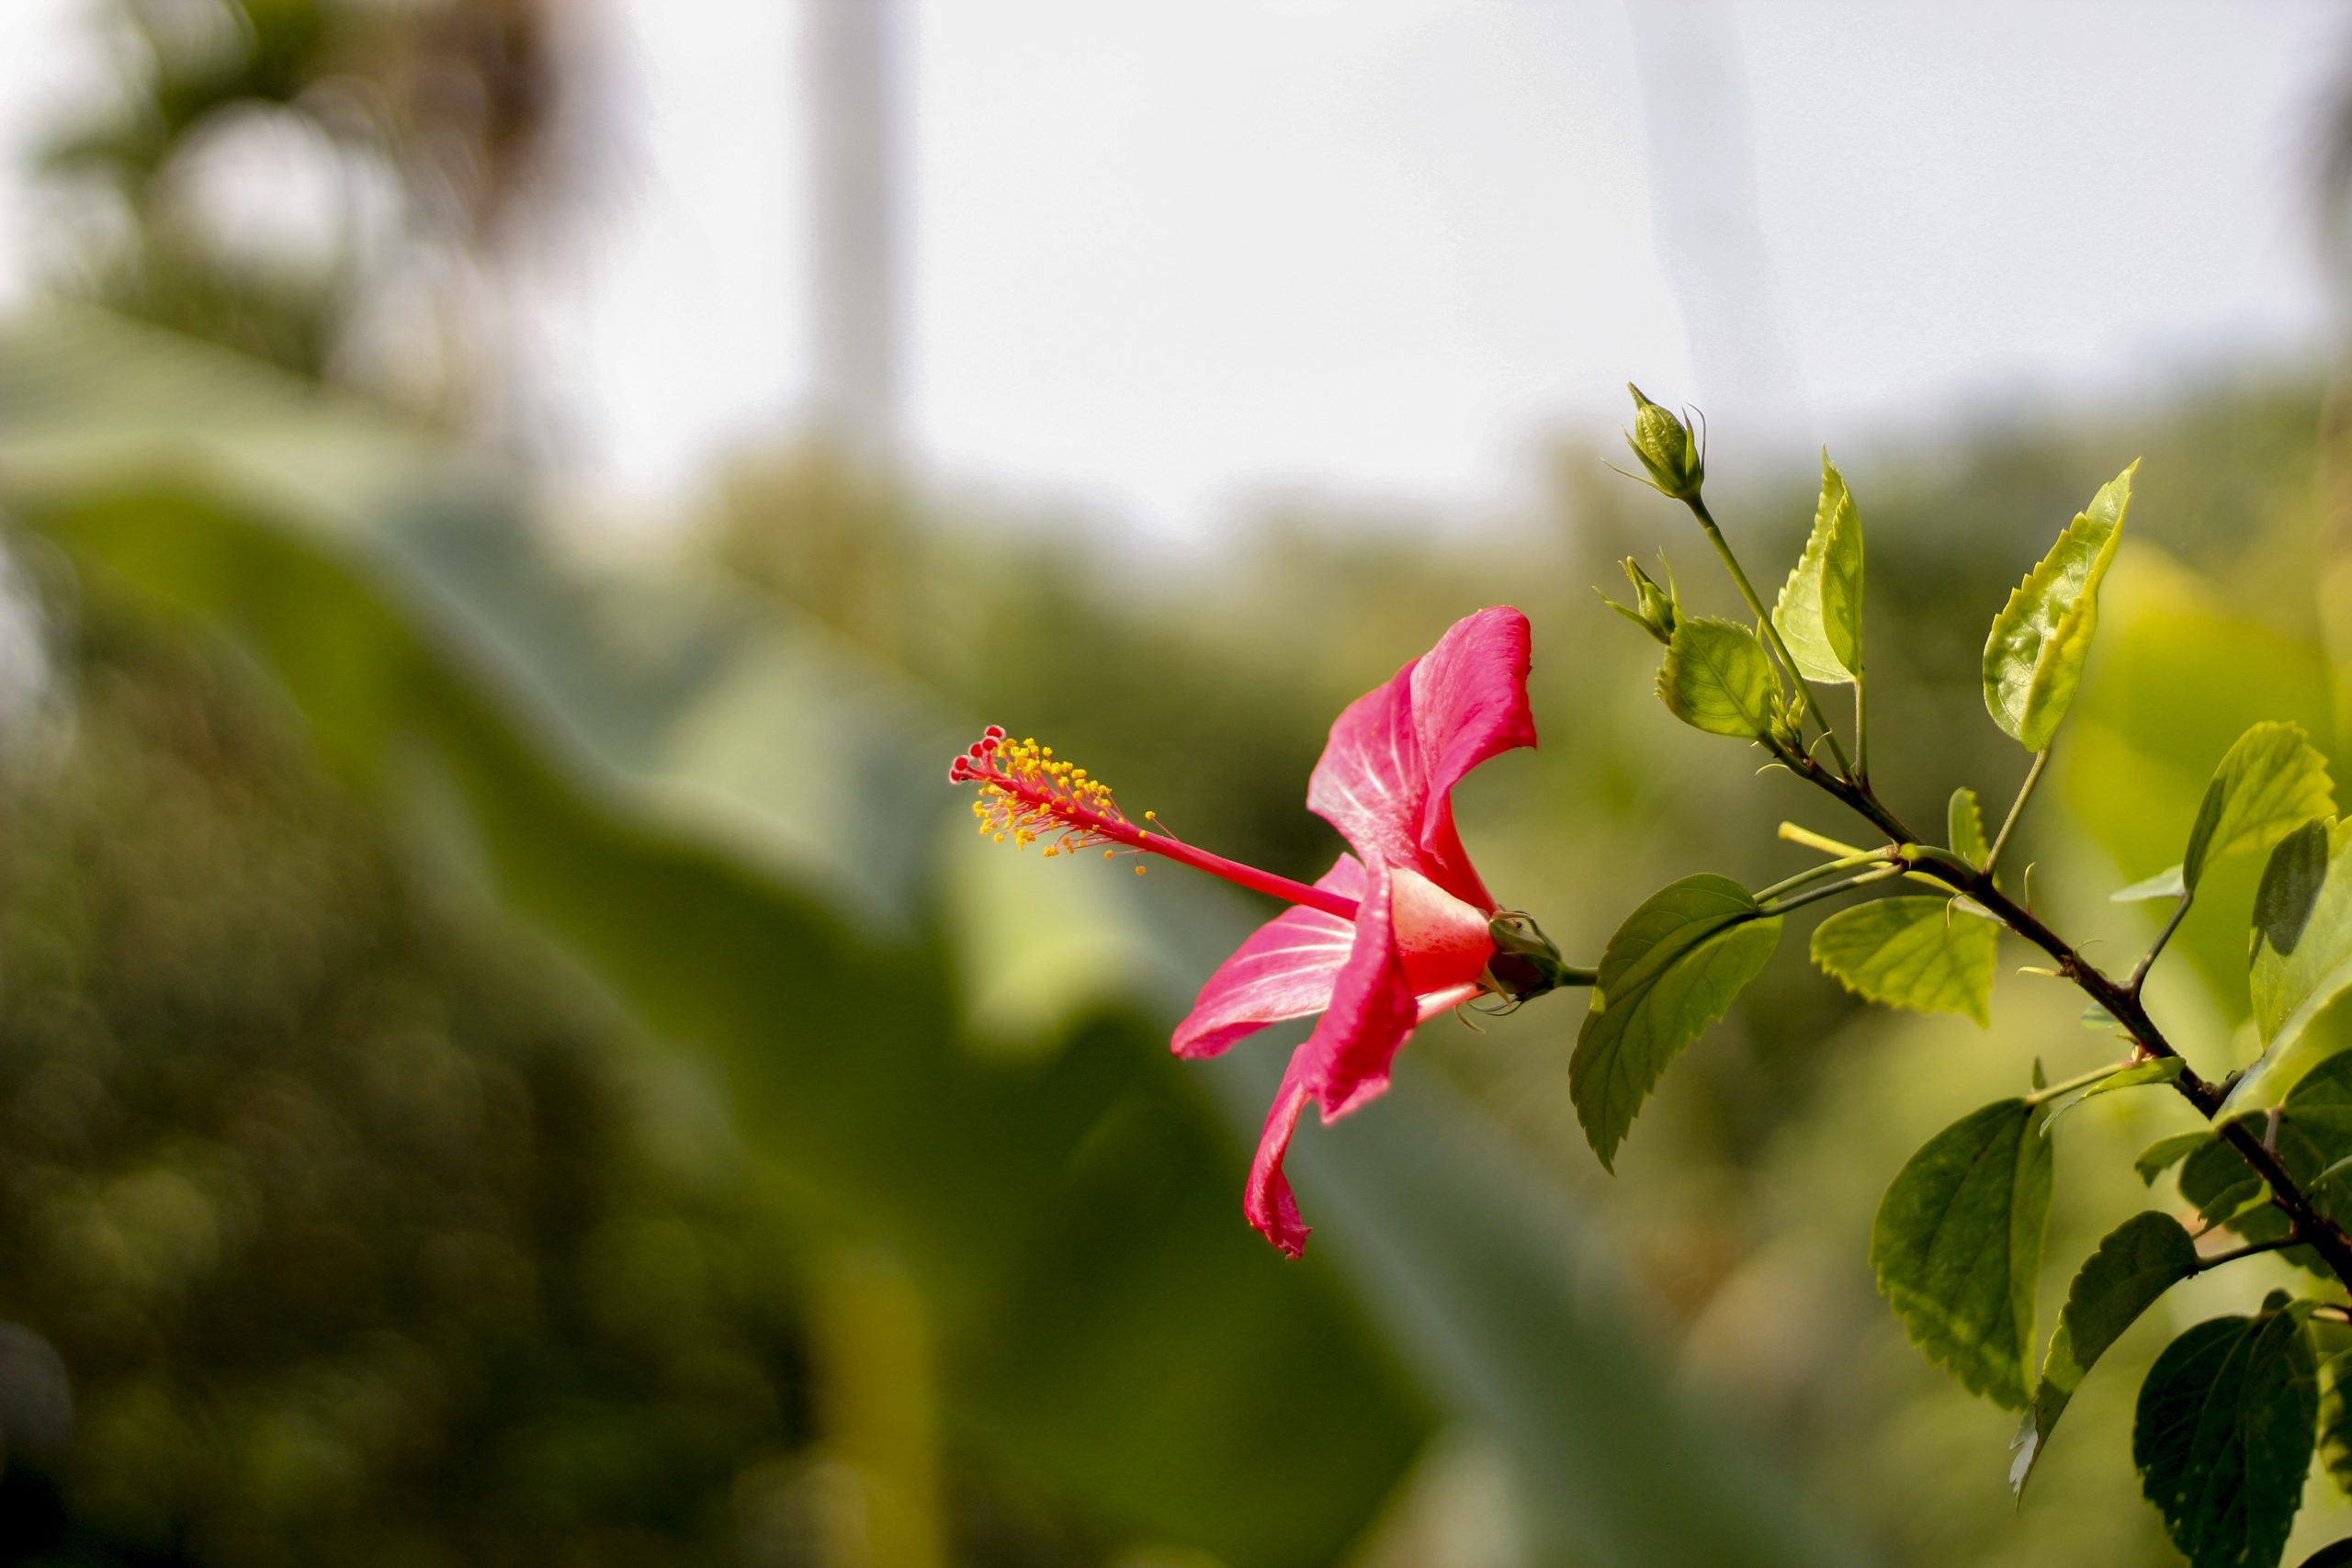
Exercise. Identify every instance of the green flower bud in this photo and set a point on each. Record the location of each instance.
(1788, 725)
(1525, 963)
(1656, 609)
(1662, 443)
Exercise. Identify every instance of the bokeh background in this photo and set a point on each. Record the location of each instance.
(510, 1054)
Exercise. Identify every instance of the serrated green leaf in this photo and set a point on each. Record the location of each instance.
(2269, 784)
(2138, 1261)
(2033, 659)
(2166, 1153)
(2315, 1125)
(1671, 970)
(2313, 1136)
(1965, 827)
(2301, 960)
(2224, 1433)
(2256, 1211)
(1956, 1245)
(2227, 1195)
(1819, 615)
(1718, 678)
(2169, 883)
(1911, 952)
(2164, 1069)
(2335, 1423)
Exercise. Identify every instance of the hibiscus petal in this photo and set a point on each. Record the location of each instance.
(1469, 694)
(1370, 783)
(1286, 969)
(1371, 1012)
(1468, 703)
(1386, 775)
(1442, 941)
(1267, 1202)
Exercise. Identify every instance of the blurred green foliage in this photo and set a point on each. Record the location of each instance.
(507, 1059)
(359, 1231)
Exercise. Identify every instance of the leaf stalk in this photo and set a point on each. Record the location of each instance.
(1698, 505)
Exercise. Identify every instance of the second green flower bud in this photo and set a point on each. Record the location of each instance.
(1656, 609)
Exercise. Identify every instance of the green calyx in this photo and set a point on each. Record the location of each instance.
(1656, 609)
(1677, 466)
(1525, 963)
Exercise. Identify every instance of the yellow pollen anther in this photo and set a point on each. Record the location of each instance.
(1027, 793)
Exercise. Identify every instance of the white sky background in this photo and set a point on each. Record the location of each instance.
(1163, 259)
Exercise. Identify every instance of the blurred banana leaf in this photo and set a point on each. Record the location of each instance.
(738, 829)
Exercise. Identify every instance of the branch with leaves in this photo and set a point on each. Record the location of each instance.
(1956, 1246)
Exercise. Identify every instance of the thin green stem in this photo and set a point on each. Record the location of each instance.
(1771, 633)
(2179, 913)
(2016, 809)
(1796, 834)
(2251, 1249)
(1827, 845)
(2083, 1081)
(1847, 861)
(1861, 730)
(1815, 895)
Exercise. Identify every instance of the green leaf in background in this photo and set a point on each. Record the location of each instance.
(1671, 970)
(2033, 659)
(2166, 1153)
(2303, 957)
(2269, 784)
(2225, 1436)
(1515, 1308)
(2335, 1554)
(2169, 883)
(1718, 678)
(2164, 1069)
(1957, 1247)
(1820, 612)
(2335, 1423)
(1965, 827)
(1914, 952)
(2138, 1261)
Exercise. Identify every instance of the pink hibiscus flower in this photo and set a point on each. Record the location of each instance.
(1391, 936)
